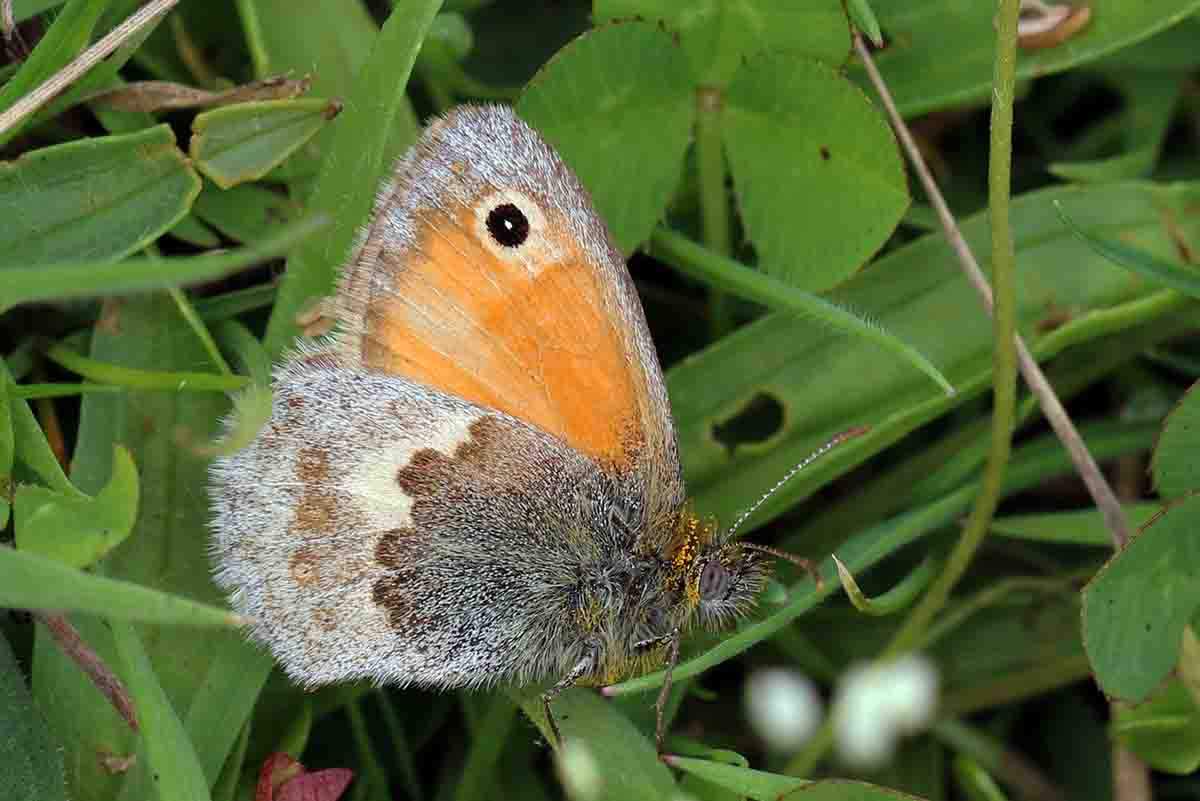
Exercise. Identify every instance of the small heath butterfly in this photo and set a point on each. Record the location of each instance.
(474, 480)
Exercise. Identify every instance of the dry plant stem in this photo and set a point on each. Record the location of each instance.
(83, 62)
(8, 23)
(1097, 486)
(1131, 778)
(91, 664)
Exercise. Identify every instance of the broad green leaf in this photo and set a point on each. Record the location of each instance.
(1174, 49)
(1150, 100)
(939, 53)
(31, 765)
(1164, 731)
(628, 766)
(1135, 609)
(375, 125)
(165, 746)
(617, 103)
(77, 531)
(247, 213)
(1083, 527)
(718, 35)
(243, 142)
(97, 199)
(819, 180)
(29, 581)
(823, 383)
(1175, 467)
(65, 39)
(84, 279)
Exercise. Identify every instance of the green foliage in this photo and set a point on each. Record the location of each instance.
(33, 767)
(794, 290)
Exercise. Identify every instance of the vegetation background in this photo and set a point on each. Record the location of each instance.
(158, 239)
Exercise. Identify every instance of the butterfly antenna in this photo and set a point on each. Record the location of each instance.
(836, 440)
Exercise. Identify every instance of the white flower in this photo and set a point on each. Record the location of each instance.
(783, 707)
(878, 703)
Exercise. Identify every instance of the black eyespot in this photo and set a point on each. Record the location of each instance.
(714, 581)
(508, 225)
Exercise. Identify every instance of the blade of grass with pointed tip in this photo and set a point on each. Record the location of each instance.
(164, 743)
(733, 277)
(28, 581)
(825, 383)
(1176, 276)
(354, 164)
(85, 279)
(68, 35)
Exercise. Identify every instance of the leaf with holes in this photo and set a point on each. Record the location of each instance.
(825, 382)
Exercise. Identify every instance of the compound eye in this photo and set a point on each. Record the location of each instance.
(714, 581)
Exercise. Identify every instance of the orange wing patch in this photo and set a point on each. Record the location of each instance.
(534, 338)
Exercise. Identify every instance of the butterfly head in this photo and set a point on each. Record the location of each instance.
(719, 578)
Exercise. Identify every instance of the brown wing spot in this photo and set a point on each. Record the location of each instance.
(325, 618)
(316, 509)
(305, 567)
(430, 471)
(393, 594)
(393, 548)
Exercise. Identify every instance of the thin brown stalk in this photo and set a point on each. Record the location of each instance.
(1085, 464)
(103, 47)
(91, 664)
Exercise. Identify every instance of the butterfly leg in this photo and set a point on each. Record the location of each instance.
(565, 683)
(672, 642)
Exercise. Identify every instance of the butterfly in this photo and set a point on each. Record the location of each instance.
(474, 480)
